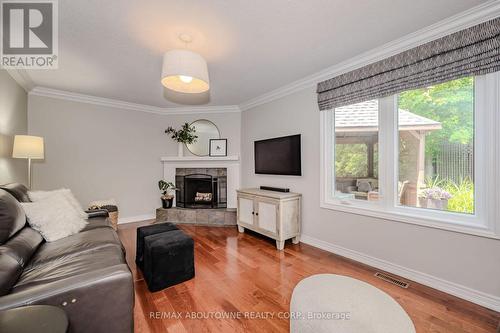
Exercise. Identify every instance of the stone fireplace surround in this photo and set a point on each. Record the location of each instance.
(215, 216)
(190, 181)
(230, 163)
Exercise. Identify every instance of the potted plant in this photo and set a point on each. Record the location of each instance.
(185, 135)
(167, 198)
(434, 198)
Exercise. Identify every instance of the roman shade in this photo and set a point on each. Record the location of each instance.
(473, 51)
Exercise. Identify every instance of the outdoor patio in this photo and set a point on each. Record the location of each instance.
(356, 126)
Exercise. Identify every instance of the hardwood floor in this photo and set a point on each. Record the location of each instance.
(244, 272)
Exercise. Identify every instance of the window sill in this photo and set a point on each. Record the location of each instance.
(375, 211)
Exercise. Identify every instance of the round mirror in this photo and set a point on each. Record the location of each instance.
(205, 130)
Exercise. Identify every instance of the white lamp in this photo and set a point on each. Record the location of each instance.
(185, 71)
(30, 147)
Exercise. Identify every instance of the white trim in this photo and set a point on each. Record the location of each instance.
(114, 103)
(463, 20)
(138, 218)
(484, 222)
(437, 223)
(22, 78)
(458, 290)
(199, 158)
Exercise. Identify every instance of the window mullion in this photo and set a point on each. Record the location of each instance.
(387, 151)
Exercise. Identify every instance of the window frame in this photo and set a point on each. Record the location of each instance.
(485, 220)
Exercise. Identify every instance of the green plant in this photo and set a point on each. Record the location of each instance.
(450, 103)
(184, 135)
(165, 186)
(431, 182)
(462, 200)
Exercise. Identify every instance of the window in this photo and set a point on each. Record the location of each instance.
(426, 156)
(436, 147)
(356, 138)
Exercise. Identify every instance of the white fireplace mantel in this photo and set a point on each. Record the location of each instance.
(199, 158)
(231, 163)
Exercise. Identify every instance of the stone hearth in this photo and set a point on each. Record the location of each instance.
(213, 217)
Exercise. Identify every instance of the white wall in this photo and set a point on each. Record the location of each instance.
(103, 152)
(470, 261)
(13, 120)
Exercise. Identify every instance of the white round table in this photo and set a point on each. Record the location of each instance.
(340, 304)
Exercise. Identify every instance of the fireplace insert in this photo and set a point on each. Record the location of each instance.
(200, 191)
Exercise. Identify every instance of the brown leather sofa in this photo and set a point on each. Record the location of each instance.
(84, 274)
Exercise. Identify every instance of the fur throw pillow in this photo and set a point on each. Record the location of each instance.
(54, 217)
(40, 195)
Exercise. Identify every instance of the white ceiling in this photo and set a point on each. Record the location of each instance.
(114, 49)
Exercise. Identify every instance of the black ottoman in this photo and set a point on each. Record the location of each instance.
(147, 231)
(168, 259)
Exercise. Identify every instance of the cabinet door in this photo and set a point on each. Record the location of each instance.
(245, 210)
(267, 215)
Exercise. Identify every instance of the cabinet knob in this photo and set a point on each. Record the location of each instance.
(257, 214)
(253, 213)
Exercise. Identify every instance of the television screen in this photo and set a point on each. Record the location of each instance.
(278, 156)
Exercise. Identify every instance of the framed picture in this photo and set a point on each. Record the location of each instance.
(218, 147)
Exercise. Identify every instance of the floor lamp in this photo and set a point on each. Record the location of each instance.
(30, 147)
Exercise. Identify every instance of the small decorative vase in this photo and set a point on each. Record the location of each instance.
(440, 204)
(180, 149)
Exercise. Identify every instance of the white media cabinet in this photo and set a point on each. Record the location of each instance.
(273, 214)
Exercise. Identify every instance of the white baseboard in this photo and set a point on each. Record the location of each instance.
(474, 296)
(138, 218)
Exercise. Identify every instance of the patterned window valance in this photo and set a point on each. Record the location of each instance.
(472, 51)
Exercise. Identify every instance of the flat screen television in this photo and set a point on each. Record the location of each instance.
(278, 156)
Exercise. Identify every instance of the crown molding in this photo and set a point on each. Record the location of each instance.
(114, 103)
(22, 78)
(463, 20)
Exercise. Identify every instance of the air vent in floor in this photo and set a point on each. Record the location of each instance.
(392, 280)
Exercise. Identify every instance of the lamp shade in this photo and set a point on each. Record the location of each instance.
(185, 71)
(26, 146)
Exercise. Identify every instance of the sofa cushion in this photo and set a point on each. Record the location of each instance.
(10, 270)
(85, 241)
(12, 217)
(18, 191)
(101, 300)
(22, 245)
(14, 255)
(68, 266)
(97, 222)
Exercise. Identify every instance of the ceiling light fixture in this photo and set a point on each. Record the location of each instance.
(185, 71)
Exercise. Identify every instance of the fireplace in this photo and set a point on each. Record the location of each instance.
(201, 188)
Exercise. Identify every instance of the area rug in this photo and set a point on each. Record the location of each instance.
(336, 303)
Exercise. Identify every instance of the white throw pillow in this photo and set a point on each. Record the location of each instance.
(40, 195)
(54, 217)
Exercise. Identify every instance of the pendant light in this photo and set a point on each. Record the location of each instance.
(184, 70)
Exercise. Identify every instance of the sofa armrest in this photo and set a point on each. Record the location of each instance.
(97, 213)
(98, 301)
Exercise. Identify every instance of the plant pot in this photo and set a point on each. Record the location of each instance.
(180, 149)
(167, 203)
(441, 204)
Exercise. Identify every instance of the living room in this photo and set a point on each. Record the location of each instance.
(320, 166)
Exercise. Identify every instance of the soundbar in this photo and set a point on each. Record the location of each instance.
(275, 189)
